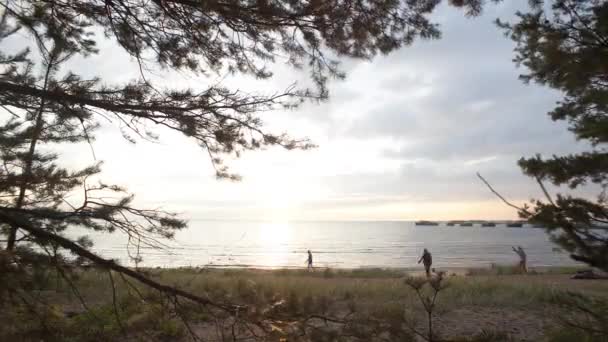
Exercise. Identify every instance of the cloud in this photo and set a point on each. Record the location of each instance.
(402, 137)
(459, 98)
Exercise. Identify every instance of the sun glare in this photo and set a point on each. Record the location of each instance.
(274, 237)
(274, 233)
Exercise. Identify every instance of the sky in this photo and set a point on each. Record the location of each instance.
(400, 139)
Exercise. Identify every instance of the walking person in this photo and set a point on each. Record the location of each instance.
(427, 261)
(522, 258)
(309, 261)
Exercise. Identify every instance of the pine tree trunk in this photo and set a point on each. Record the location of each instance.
(29, 161)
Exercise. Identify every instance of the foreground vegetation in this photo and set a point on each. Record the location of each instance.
(492, 305)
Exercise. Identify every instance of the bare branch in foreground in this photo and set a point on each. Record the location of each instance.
(110, 264)
(499, 195)
(542, 187)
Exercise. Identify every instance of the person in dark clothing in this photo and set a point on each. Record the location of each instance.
(522, 259)
(427, 261)
(309, 260)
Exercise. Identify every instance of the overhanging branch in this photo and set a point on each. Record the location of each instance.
(110, 264)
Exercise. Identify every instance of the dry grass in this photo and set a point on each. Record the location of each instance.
(486, 300)
(490, 288)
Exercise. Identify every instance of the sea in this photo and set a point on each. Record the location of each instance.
(396, 244)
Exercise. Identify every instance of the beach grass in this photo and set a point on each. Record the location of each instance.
(491, 286)
(498, 269)
(495, 298)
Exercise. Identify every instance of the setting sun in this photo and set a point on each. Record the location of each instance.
(274, 234)
(274, 239)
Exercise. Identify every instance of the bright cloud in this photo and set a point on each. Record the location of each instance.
(401, 138)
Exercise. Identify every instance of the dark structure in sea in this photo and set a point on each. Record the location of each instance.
(426, 223)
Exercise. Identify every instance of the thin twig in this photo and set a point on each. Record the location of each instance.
(500, 196)
(115, 307)
(542, 186)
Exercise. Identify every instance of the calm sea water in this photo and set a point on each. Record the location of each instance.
(339, 245)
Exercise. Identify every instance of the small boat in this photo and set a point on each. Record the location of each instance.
(466, 224)
(426, 223)
(488, 224)
(515, 225)
(450, 224)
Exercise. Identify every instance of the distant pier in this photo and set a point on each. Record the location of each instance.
(426, 223)
(476, 223)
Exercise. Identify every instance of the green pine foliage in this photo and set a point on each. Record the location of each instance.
(564, 45)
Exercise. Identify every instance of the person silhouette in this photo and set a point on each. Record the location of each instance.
(522, 258)
(427, 261)
(309, 261)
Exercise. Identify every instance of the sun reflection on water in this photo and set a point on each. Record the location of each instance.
(274, 239)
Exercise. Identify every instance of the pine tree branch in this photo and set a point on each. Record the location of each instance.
(567, 226)
(110, 264)
(29, 159)
(500, 196)
(115, 306)
(542, 186)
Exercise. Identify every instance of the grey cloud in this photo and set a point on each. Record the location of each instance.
(447, 102)
(476, 105)
(428, 182)
(393, 119)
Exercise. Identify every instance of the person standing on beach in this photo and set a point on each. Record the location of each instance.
(427, 261)
(522, 258)
(309, 261)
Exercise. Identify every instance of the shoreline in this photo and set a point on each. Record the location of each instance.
(460, 270)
